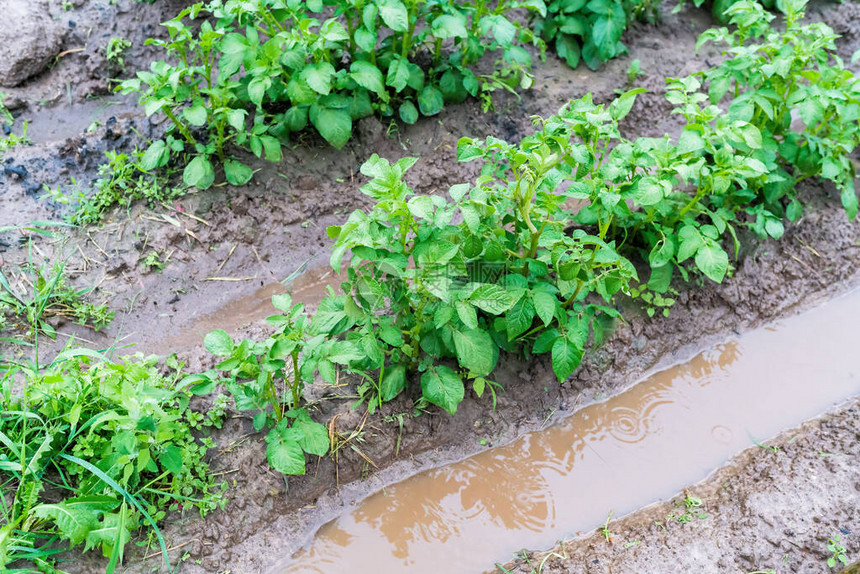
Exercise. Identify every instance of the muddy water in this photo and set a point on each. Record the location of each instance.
(646, 444)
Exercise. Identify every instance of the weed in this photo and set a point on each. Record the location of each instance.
(837, 552)
(50, 297)
(604, 530)
(153, 262)
(92, 450)
(122, 182)
(690, 505)
(114, 50)
(6, 119)
(770, 448)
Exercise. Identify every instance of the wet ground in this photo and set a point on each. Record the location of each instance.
(228, 249)
(634, 449)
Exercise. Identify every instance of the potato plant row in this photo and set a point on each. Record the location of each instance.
(438, 287)
(252, 73)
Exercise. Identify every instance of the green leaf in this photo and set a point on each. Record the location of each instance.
(503, 31)
(567, 48)
(76, 517)
(430, 101)
(421, 206)
(156, 155)
(543, 343)
(443, 387)
(335, 125)
(196, 114)
(283, 450)
(365, 39)
(459, 190)
(314, 436)
(333, 31)
(408, 112)
(394, 14)
(257, 89)
(690, 242)
(774, 227)
(450, 26)
(662, 252)
(233, 50)
(545, 306)
(475, 352)
(606, 31)
(849, 199)
(318, 77)
(622, 105)
(171, 459)
(368, 77)
(690, 141)
(282, 302)
(219, 343)
(565, 358)
(398, 74)
(713, 262)
(648, 191)
(492, 299)
(199, 173)
(661, 278)
(519, 318)
(393, 382)
(467, 314)
(237, 173)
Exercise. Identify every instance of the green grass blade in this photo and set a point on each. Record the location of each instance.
(131, 500)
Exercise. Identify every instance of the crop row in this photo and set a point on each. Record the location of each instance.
(255, 72)
(438, 287)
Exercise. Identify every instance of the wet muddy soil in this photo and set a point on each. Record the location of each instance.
(643, 445)
(770, 509)
(228, 249)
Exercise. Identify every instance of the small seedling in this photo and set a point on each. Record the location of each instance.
(604, 530)
(153, 262)
(114, 51)
(41, 293)
(633, 72)
(690, 504)
(771, 448)
(838, 552)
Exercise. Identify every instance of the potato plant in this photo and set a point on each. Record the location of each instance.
(252, 73)
(796, 91)
(590, 30)
(674, 203)
(267, 377)
(430, 298)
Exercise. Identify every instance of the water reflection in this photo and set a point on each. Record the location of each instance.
(661, 435)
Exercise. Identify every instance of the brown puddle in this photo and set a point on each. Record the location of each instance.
(308, 288)
(644, 445)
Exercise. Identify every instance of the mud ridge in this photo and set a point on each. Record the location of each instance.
(765, 510)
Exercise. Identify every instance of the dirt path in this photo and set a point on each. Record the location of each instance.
(241, 242)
